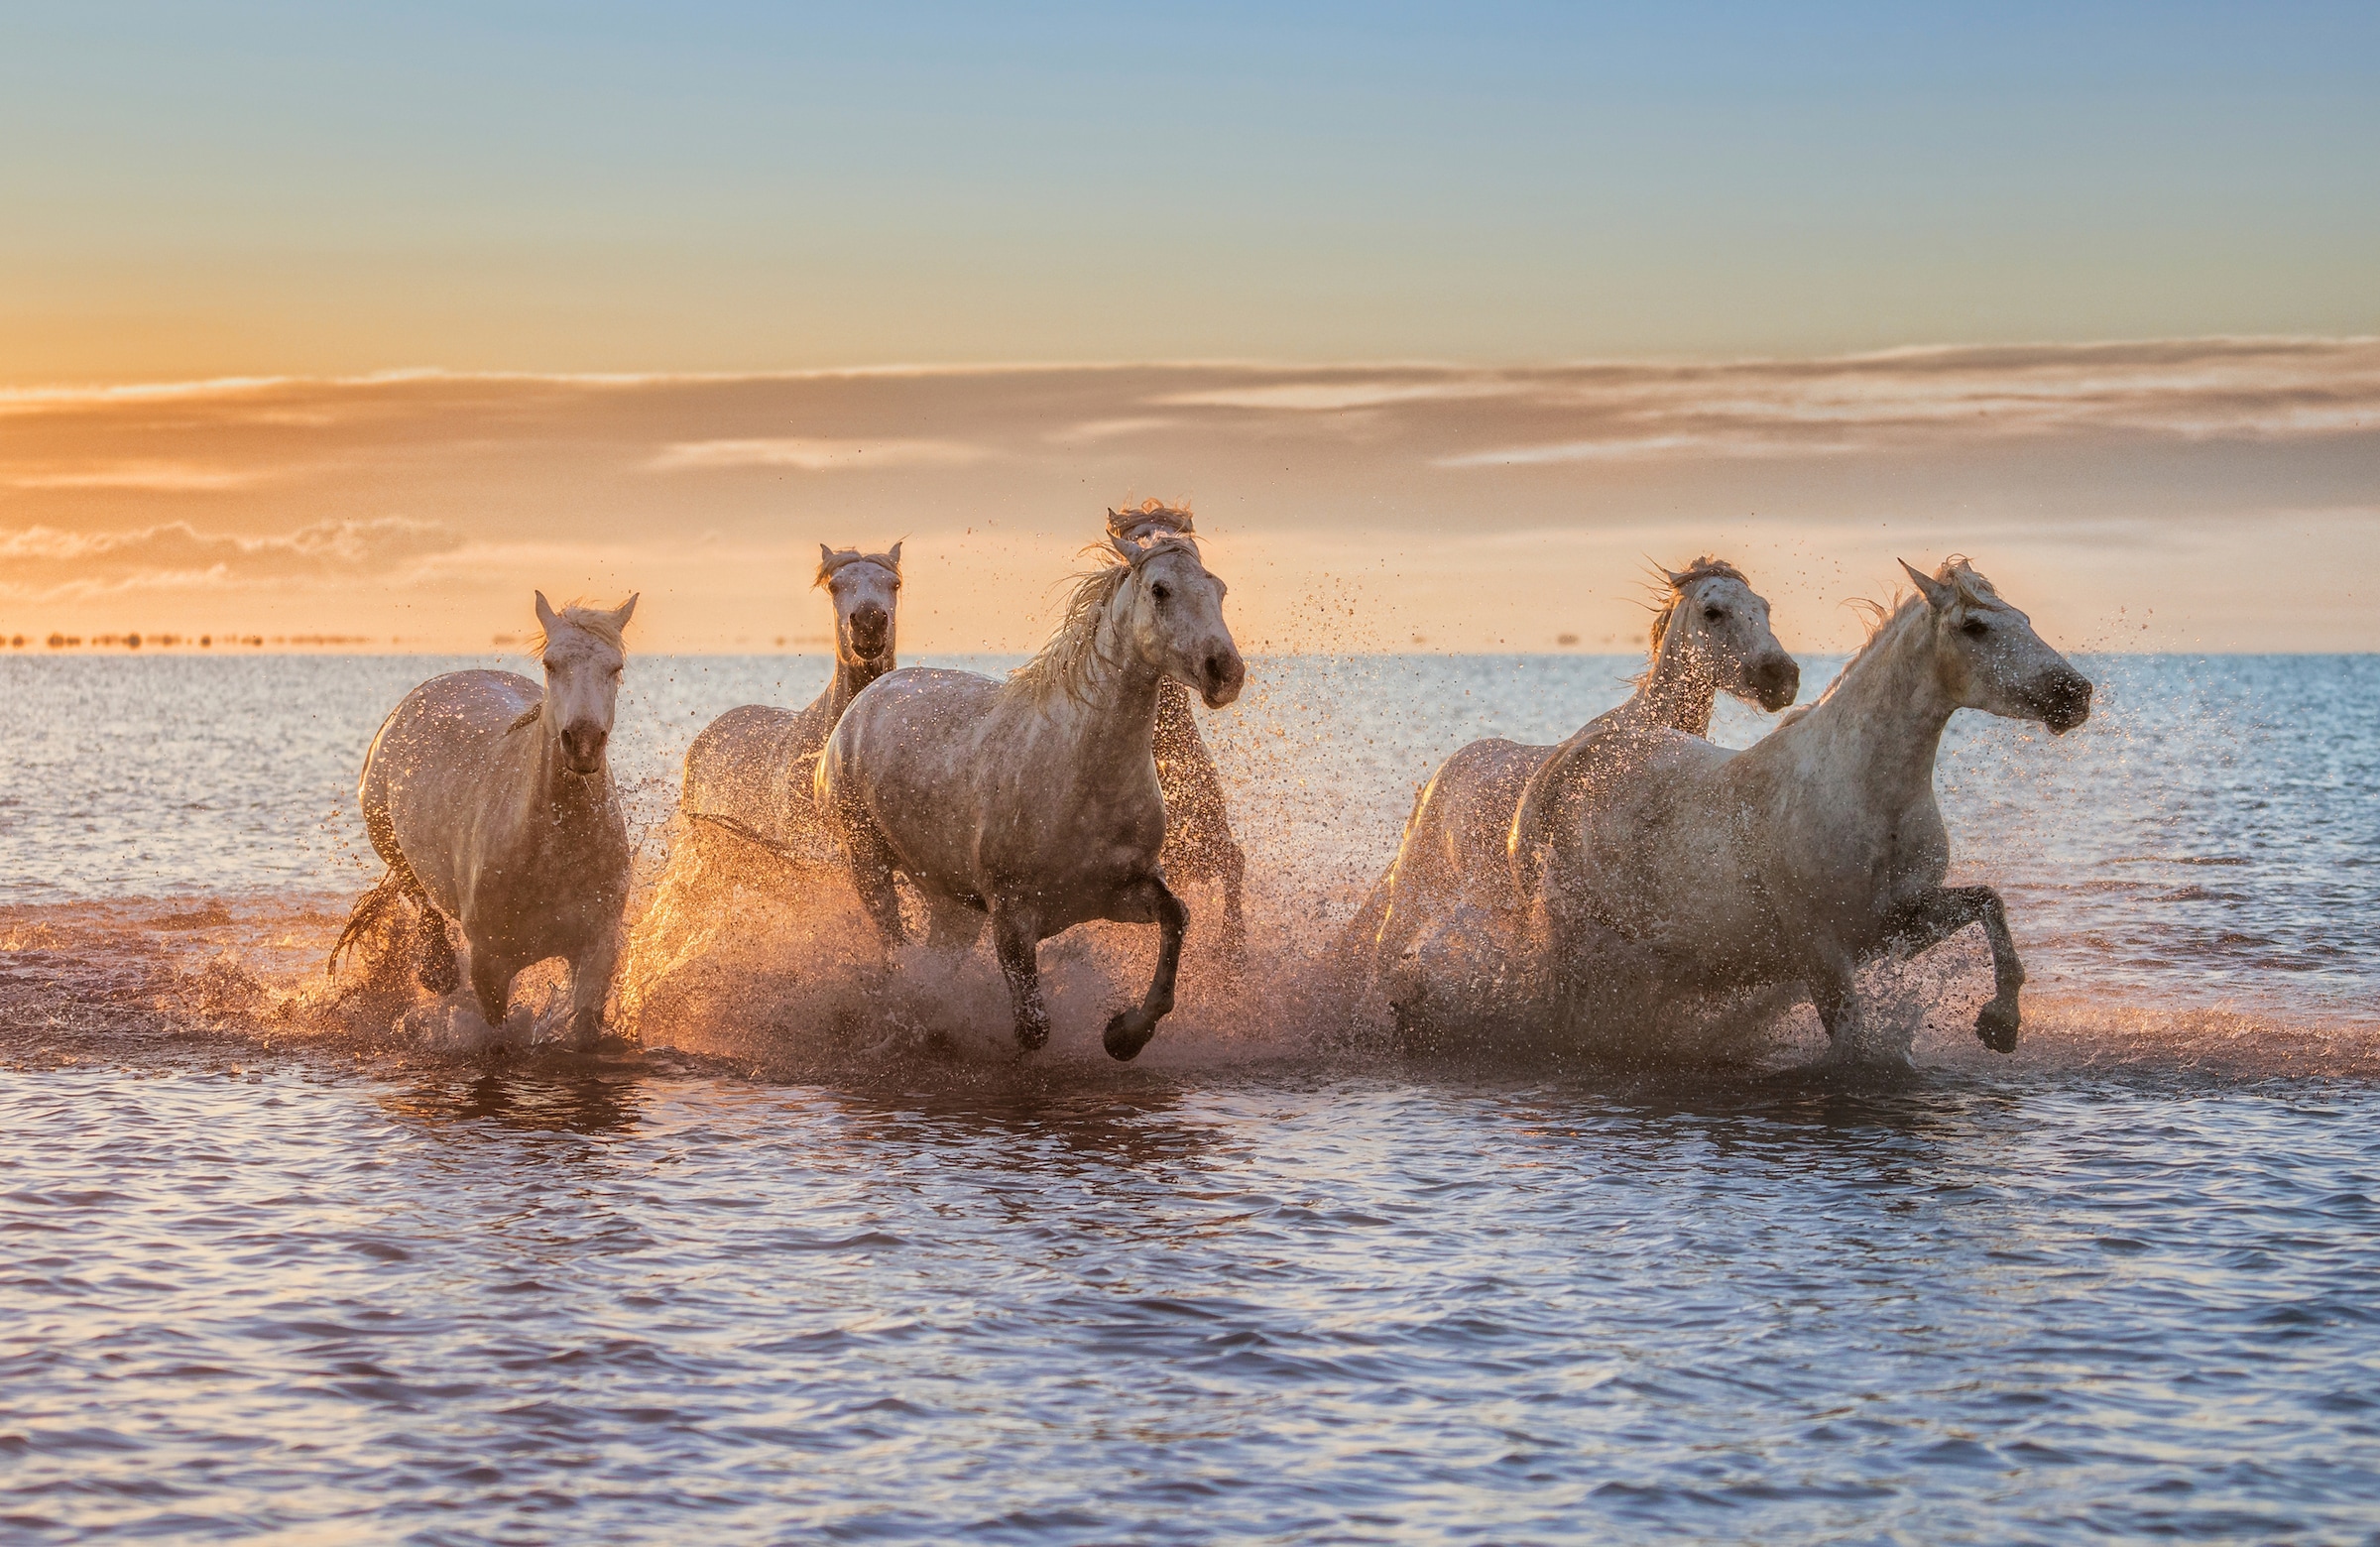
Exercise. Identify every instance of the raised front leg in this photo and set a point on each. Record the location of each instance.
(1129, 1030)
(1943, 912)
(1017, 940)
(591, 981)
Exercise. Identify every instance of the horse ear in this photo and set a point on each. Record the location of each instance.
(546, 617)
(1938, 593)
(1676, 578)
(894, 555)
(625, 611)
(826, 556)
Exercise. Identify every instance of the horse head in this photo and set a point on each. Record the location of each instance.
(866, 589)
(1169, 613)
(1718, 623)
(1988, 658)
(583, 656)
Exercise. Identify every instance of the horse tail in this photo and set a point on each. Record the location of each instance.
(389, 892)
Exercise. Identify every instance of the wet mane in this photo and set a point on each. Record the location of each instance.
(1066, 662)
(1707, 567)
(1137, 520)
(595, 619)
(836, 562)
(1973, 589)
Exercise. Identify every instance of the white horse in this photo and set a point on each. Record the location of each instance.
(1666, 863)
(491, 802)
(1035, 801)
(1199, 846)
(1440, 929)
(752, 770)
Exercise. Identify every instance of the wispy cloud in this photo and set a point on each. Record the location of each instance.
(814, 455)
(151, 477)
(605, 482)
(43, 562)
(1339, 395)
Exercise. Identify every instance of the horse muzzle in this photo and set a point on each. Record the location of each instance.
(583, 747)
(1777, 682)
(871, 632)
(1220, 678)
(2064, 702)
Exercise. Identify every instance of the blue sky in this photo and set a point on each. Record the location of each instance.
(231, 189)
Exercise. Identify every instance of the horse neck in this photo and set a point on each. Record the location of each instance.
(850, 677)
(1679, 688)
(1117, 702)
(1884, 720)
(544, 784)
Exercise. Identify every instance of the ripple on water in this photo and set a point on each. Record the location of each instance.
(1092, 1305)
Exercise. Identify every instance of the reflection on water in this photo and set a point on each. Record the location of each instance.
(587, 1104)
(1286, 1303)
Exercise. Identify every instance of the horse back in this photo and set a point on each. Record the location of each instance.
(905, 758)
(425, 776)
(981, 790)
(1453, 851)
(753, 768)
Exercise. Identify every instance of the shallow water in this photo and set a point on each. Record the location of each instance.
(264, 1281)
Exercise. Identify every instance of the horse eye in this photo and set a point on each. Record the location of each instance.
(1161, 591)
(1974, 628)
(1713, 613)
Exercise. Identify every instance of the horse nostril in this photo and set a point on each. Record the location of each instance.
(2069, 702)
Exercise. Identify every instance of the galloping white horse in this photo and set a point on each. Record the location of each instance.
(1199, 846)
(1667, 862)
(1035, 801)
(752, 770)
(1446, 907)
(491, 802)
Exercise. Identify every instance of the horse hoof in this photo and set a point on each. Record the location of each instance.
(1127, 1033)
(1996, 1028)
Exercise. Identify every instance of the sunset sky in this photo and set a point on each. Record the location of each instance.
(364, 320)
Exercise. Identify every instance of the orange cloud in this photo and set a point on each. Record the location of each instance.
(1477, 506)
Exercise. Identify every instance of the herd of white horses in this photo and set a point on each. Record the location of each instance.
(1636, 864)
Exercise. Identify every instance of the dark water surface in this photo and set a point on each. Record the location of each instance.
(1266, 1286)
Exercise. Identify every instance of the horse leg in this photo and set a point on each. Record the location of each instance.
(434, 966)
(1235, 924)
(871, 877)
(491, 984)
(1017, 940)
(951, 927)
(1943, 912)
(1129, 1030)
(591, 981)
(1829, 980)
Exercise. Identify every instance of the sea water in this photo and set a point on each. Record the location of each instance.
(265, 1278)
